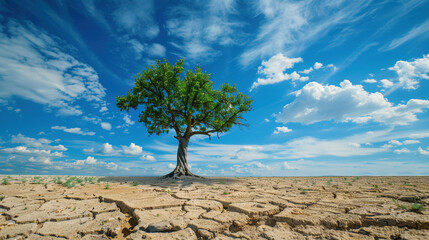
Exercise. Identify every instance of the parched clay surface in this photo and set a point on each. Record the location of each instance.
(44, 207)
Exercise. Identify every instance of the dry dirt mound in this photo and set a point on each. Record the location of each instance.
(51, 207)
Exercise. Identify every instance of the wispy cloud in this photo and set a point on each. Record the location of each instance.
(293, 26)
(136, 18)
(199, 27)
(35, 67)
(420, 31)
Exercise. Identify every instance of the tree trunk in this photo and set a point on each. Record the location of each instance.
(181, 169)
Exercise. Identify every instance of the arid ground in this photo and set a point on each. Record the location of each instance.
(52, 207)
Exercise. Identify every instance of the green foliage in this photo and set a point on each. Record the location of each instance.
(57, 180)
(1, 198)
(40, 181)
(23, 180)
(329, 181)
(70, 182)
(135, 184)
(5, 181)
(89, 179)
(304, 191)
(222, 182)
(189, 105)
(415, 207)
(225, 193)
(106, 186)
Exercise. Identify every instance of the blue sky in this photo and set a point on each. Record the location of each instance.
(339, 87)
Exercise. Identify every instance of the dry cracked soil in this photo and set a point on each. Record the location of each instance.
(66, 207)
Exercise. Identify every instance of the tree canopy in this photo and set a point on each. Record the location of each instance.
(189, 104)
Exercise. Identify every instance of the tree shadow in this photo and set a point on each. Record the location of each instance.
(169, 182)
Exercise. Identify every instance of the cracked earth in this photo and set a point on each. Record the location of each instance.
(47, 207)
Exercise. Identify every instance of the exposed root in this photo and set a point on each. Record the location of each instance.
(180, 175)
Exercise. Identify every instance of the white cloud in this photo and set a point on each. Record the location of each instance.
(153, 50)
(37, 152)
(127, 119)
(90, 160)
(148, 157)
(94, 120)
(212, 166)
(172, 166)
(334, 68)
(28, 141)
(282, 130)
(267, 120)
(260, 165)
(410, 73)
(36, 67)
(347, 103)
(58, 148)
(133, 149)
(419, 135)
(103, 109)
(75, 130)
(105, 125)
(395, 142)
(156, 50)
(306, 71)
(385, 83)
(196, 30)
(91, 163)
(317, 65)
(88, 150)
(112, 166)
(106, 148)
(273, 71)
(420, 31)
(370, 80)
(288, 167)
(403, 150)
(40, 149)
(423, 152)
(407, 142)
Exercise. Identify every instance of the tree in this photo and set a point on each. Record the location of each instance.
(189, 105)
